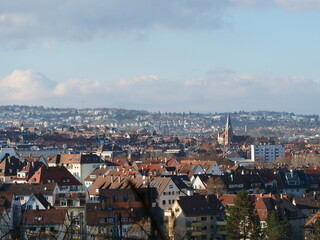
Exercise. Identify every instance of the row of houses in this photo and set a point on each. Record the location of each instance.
(98, 199)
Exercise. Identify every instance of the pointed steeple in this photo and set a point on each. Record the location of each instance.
(228, 124)
(228, 131)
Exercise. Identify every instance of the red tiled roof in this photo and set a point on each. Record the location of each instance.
(59, 175)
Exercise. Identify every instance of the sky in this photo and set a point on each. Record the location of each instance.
(169, 56)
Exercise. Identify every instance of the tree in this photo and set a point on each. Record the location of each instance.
(286, 229)
(316, 229)
(243, 221)
(278, 229)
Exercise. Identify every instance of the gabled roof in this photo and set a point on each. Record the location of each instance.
(200, 205)
(10, 166)
(119, 182)
(45, 217)
(60, 175)
(312, 220)
(67, 158)
(28, 189)
(306, 202)
(266, 203)
(30, 169)
(42, 200)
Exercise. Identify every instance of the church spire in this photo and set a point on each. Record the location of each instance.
(228, 131)
(228, 124)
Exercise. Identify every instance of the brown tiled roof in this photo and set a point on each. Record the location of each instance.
(60, 175)
(312, 220)
(45, 217)
(28, 189)
(200, 205)
(118, 182)
(306, 202)
(266, 203)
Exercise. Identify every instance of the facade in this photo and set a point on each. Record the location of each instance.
(267, 153)
(46, 224)
(79, 165)
(196, 217)
(225, 137)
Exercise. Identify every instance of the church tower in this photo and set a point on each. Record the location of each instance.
(228, 131)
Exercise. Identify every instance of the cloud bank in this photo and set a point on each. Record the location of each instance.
(218, 90)
(40, 21)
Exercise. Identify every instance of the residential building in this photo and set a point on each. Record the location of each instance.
(46, 224)
(196, 217)
(266, 153)
(80, 165)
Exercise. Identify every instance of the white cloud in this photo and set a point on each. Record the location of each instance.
(41, 21)
(138, 80)
(77, 86)
(24, 22)
(25, 86)
(299, 5)
(215, 91)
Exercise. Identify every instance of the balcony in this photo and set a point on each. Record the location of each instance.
(193, 234)
(221, 232)
(196, 224)
(221, 223)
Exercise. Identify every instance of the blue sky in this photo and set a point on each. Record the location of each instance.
(187, 55)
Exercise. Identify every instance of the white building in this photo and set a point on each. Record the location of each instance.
(268, 153)
(79, 165)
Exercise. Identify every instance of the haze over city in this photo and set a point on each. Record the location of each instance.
(201, 56)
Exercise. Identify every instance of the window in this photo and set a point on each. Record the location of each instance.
(32, 229)
(42, 229)
(170, 186)
(102, 220)
(63, 203)
(203, 218)
(76, 202)
(52, 229)
(125, 197)
(164, 202)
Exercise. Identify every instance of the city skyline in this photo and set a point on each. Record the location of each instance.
(208, 56)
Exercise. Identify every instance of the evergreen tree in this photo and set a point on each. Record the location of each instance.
(273, 230)
(316, 228)
(243, 221)
(286, 229)
(278, 229)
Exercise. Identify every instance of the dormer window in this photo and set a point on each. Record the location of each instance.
(63, 203)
